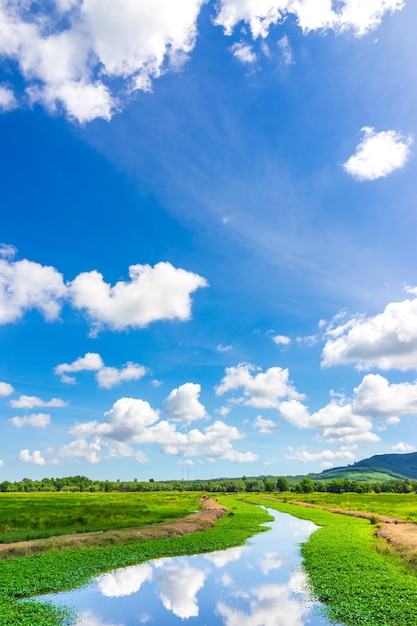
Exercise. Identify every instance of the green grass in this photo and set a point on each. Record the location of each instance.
(358, 583)
(57, 571)
(40, 515)
(400, 505)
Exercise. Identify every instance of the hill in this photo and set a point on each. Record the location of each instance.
(381, 467)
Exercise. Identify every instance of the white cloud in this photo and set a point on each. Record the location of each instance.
(183, 405)
(154, 293)
(30, 402)
(37, 420)
(222, 348)
(125, 44)
(403, 448)
(133, 421)
(286, 50)
(6, 389)
(262, 390)
(281, 340)
(88, 618)
(266, 426)
(178, 589)
(90, 362)
(387, 340)
(244, 53)
(108, 377)
(393, 420)
(378, 154)
(376, 397)
(7, 251)
(360, 16)
(345, 453)
(125, 581)
(35, 458)
(7, 99)
(25, 285)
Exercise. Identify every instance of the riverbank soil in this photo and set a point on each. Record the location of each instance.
(200, 520)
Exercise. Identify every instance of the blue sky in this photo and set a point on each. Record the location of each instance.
(207, 236)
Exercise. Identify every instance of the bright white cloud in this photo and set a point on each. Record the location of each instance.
(124, 582)
(108, 377)
(403, 448)
(183, 405)
(262, 390)
(387, 340)
(133, 421)
(7, 99)
(393, 420)
(37, 420)
(345, 453)
(105, 51)
(154, 293)
(376, 397)
(281, 340)
(178, 589)
(25, 285)
(378, 154)
(90, 362)
(360, 16)
(6, 389)
(35, 458)
(266, 426)
(30, 402)
(244, 53)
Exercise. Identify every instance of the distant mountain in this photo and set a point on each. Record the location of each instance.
(381, 467)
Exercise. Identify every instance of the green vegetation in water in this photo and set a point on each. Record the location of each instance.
(358, 583)
(26, 516)
(58, 571)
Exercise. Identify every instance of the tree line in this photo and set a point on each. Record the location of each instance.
(268, 484)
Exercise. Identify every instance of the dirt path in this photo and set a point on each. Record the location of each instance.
(201, 520)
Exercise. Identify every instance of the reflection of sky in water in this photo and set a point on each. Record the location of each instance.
(259, 584)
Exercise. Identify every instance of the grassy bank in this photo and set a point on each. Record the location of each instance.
(399, 505)
(57, 571)
(348, 571)
(26, 516)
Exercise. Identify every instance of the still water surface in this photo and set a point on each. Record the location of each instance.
(258, 584)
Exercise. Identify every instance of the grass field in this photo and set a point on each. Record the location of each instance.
(39, 515)
(399, 505)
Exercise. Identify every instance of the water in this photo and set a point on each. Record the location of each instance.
(258, 584)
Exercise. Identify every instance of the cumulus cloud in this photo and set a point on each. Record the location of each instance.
(37, 420)
(387, 340)
(134, 421)
(266, 426)
(25, 285)
(376, 397)
(35, 458)
(360, 16)
(108, 377)
(281, 340)
(125, 581)
(261, 390)
(178, 589)
(90, 362)
(6, 389)
(183, 405)
(30, 402)
(85, 57)
(378, 154)
(345, 453)
(403, 448)
(154, 293)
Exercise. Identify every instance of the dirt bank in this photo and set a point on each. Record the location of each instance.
(200, 520)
